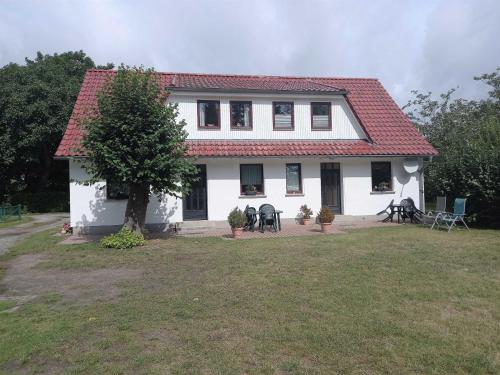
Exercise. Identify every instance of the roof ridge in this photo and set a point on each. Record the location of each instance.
(256, 76)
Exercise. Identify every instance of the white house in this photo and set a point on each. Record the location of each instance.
(288, 141)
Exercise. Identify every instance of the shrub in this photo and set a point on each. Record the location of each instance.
(124, 239)
(46, 201)
(237, 218)
(306, 211)
(325, 215)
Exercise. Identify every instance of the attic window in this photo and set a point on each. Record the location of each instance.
(208, 114)
(321, 118)
(241, 115)
(283, 115)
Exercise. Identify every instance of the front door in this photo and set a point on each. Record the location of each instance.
(195, 203)
(330, 187)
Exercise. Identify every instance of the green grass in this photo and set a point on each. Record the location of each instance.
(382, 300)
(5, 305)
(14, 220)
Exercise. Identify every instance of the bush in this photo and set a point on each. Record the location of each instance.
(306, 211)
(124, 239)
(237, 218)
(46, 201)
(325, 215)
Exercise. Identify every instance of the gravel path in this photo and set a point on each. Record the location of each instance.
(9, 236)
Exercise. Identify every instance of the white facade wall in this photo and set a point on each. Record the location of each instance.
(89, 206)
(344, 123)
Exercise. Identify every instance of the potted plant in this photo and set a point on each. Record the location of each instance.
(250, 190)
(306, 214)
(237, 220)
(325, 218)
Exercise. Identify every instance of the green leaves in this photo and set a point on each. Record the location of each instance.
(36, 101)
(467, 136)
(136, 136)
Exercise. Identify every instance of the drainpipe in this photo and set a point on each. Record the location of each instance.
(422, 185)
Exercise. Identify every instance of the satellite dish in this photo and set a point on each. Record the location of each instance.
(412, 165)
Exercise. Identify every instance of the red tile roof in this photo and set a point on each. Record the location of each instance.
(389, 130)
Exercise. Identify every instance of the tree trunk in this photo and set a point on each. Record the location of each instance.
(137, 204)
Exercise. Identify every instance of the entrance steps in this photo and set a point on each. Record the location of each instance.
(200, 226)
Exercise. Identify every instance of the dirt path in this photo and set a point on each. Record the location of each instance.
(9, 236)
(23, 281)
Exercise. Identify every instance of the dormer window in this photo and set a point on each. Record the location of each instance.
(283, 115)
(241, 115)
(321, 118)
(208, 114)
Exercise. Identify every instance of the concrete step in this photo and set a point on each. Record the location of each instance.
(199, 224)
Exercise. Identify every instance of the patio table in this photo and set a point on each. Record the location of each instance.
(398, 210)
(277, 218)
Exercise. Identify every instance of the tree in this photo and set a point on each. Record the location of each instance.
(135, 138)
(467, 135)
(36, 100)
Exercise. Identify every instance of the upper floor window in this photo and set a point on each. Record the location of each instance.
(381, 176)
(241, 115)
(293, 178)
(321, 118)
(283, 115)
(208, 114)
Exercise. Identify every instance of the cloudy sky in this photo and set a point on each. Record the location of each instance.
(425, 45)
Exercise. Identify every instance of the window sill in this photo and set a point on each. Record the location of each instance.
(253, 196)
(208, 127)
(294, 195)
(242, 129)
(382, 192)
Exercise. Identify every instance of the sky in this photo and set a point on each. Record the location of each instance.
(408, 45)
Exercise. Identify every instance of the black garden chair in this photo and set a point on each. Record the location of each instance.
(389, 211)
(267, 217)
(251, 214)
(410, 211)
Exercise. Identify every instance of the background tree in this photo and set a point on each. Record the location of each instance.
(467, 135)
(136, 139)
(36, 100)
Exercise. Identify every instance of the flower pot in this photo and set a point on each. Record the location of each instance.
(306, 221)
(237, 232)
(325, 227)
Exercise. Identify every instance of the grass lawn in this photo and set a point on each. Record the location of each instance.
(383, 300)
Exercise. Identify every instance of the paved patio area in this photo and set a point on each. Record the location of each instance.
(289, 228)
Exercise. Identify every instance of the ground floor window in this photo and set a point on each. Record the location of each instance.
(381, 176)
(251, 179)
(116, 190)
(293, 178)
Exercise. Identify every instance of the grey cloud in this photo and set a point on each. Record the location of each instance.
(407, 45)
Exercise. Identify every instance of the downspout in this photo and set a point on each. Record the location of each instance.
(421, 186)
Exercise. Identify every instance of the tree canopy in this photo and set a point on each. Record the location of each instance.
(467, 135)
(135, 138)
(36, 100)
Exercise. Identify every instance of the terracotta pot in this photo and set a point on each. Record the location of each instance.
(306, 221)
(325, 227)
(237, 232)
